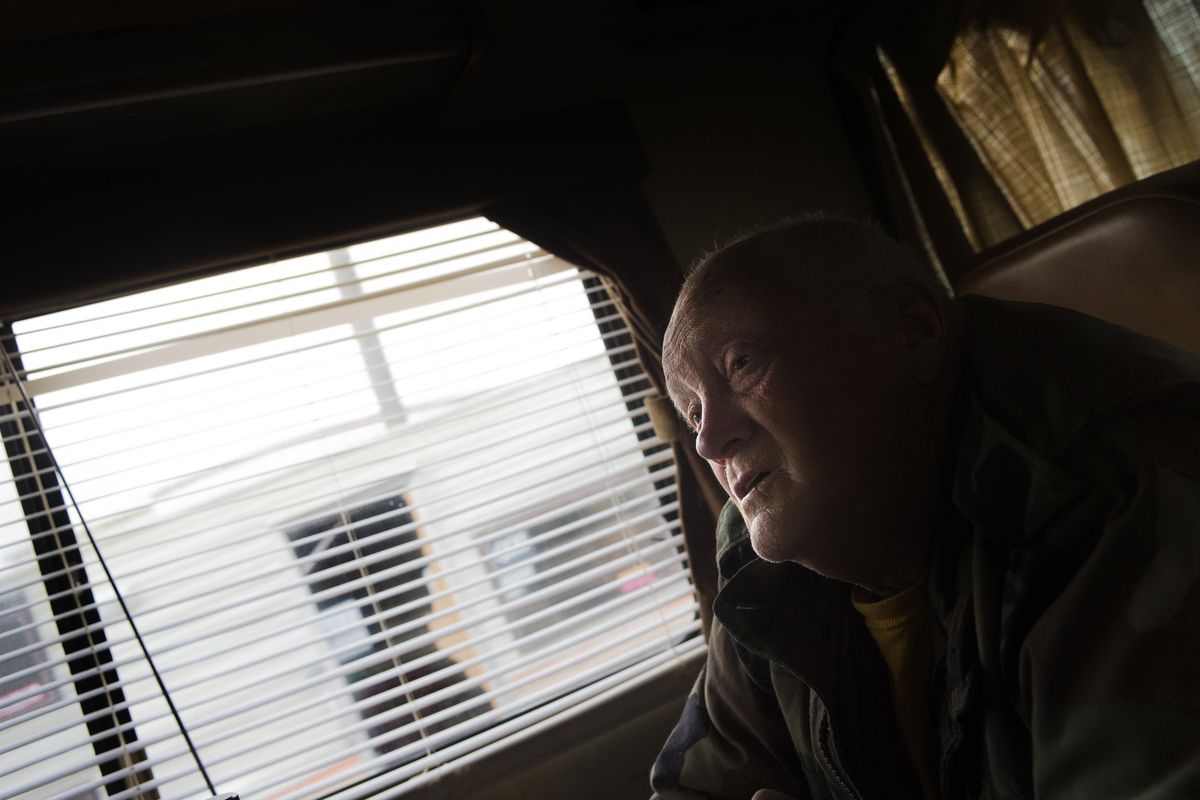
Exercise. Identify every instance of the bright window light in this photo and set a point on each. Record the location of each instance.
(373, 511)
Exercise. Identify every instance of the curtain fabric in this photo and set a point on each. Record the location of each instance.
(611, 230)
(1066, 114)
(903, 125)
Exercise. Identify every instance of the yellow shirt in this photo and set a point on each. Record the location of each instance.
(902, 628)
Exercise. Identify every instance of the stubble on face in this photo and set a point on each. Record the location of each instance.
(824, 418)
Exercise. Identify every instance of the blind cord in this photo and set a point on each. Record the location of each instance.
(33, 415)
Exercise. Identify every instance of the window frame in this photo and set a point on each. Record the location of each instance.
(84, 603)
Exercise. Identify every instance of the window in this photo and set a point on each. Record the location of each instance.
(355, 558)
(1037, 110)
(370, 511)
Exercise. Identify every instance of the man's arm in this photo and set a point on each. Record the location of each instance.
(1109, 674)
(731, 740)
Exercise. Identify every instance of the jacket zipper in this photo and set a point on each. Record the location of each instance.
(823, 747)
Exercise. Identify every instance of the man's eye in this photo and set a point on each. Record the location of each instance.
(694, 421)
(739, 363)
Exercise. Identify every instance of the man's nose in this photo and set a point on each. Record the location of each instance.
(723, 429)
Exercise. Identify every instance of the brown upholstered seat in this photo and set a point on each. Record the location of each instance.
(1131, 257)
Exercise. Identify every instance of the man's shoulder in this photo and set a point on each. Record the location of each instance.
(1061, 405)
(1050, 375)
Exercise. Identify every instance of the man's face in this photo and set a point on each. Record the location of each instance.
(807, 422)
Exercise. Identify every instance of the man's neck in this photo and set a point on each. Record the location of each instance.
(936, 455)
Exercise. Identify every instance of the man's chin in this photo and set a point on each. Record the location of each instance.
(772, 544)
(768, 543)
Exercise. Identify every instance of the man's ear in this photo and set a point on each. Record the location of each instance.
(920, 317)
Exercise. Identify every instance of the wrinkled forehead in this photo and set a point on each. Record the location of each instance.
(679, 348)
(698, 326)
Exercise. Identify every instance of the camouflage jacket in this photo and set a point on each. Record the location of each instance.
(1065, 598)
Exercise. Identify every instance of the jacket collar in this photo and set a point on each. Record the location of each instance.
(791, 616)
(807, 624)
(1039, 379)
(1046, 374)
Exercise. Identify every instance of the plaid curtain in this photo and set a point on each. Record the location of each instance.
(1066, 114)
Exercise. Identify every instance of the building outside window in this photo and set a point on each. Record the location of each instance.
(372, 511)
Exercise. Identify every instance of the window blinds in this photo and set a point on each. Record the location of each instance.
(372, 512)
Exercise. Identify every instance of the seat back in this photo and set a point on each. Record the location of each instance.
(1131, 257)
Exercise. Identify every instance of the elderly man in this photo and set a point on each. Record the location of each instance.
(962, 551)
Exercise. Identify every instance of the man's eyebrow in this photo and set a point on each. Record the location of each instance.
(670, 398)
(675, 401)
(687, 424)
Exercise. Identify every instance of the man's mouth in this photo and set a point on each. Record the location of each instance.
(748, 484)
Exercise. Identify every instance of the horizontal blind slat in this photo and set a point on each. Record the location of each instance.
(453, 533)
(519, 434)
(402, 710)
(545, 712)
(329, 376)
(417, 563)
(417, 767)
(389, 784)
(313, 743)
(295, 563)
(131, 360)
(118, 641)
(447, 454)
(145, 743)
(511, 242)
(563, 280)
(263, 679)
(427, 700)
(29, 327)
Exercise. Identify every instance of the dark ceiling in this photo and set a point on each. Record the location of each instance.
(139, 87)
(113, 85)
(128, 127)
